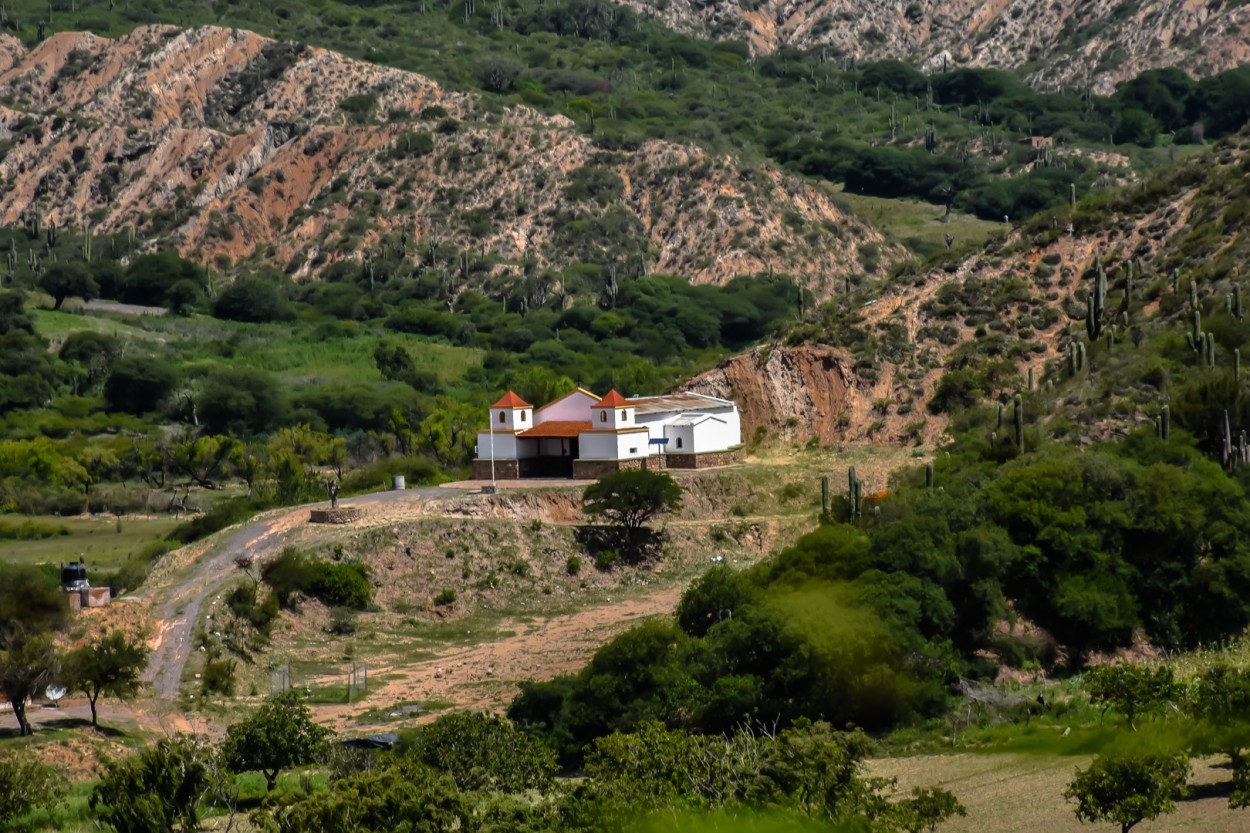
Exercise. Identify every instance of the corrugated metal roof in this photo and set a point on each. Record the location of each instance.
(674, 402)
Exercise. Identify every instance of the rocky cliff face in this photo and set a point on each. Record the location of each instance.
(237, 146)
(1099, 42)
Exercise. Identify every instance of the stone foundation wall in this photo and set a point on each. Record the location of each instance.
(342, 515)
(504, 470)
(706, 460)
(591, 469)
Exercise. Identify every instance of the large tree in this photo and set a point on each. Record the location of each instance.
(32, 607)
(1129, 788)
(280, 734)
(631, 498)
(108, 665)
(68, 280)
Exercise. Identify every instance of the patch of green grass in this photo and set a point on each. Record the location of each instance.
(918, 225)
(103, 541)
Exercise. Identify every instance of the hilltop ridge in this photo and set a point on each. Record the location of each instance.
(1066, 42)
(232, 146)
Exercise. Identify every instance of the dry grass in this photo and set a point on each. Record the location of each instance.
(1013, 793)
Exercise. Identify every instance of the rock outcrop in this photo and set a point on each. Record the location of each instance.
(235, 146)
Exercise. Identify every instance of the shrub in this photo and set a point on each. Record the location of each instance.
(445, 598)
(574, 565)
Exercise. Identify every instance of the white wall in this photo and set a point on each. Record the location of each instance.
(631, 445)
(714, 435)
(596, 446)
(683, 432)
(613, 446)
(505, 446)
(514, 419)
(573, 408)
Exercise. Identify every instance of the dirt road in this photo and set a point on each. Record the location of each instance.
(180, 612)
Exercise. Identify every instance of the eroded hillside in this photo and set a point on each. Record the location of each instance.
(1072, 42)
(235, 145)
(984, 321)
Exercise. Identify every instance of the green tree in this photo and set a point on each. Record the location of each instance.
(32, 608)
(138, 385)
(1129, 788)
(399, 795)
(161, 788)
(26, 784)
(630, 499)
(253, 300)
(242, 400)
(109, 665)
(1130, 689)
(482, 752)
(280, 734)
(184, 297)
(68, 280)
(927, 808)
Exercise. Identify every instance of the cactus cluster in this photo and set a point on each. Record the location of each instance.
(1076, 357)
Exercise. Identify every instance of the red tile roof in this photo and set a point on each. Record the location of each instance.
(556, 428)
(613, 400)
(511, 400)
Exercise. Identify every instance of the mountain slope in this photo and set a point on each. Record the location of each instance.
(1063, 42)
(234, 145)
(900, 363)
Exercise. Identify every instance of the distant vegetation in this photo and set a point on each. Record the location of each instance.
(950, 138)
(1140, 536)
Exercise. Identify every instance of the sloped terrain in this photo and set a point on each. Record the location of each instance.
(1070, 42)
(874, 370)
(235, 146)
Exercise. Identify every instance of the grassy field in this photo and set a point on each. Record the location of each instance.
(103, 541)
(918, 225)
(1012, 793)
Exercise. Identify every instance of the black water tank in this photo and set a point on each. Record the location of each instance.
(74, 576)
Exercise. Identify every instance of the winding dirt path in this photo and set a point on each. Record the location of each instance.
(180, 611)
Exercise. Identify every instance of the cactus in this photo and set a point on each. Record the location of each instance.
(1210, 349)
(1110, 340)
(1228, 441)
(824, 496)
(1193, 293)
(1197, 328)
(1096, 304)
(1228, 304)
(999, 427)
(1165, 422)
(1237, 309)
(1080, 357)
(1019, 423)
(928, 468)
(853, 491)
(1031, 380)
(1237, 363)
